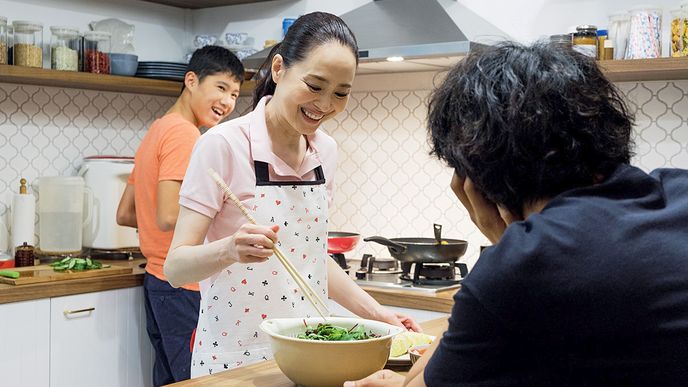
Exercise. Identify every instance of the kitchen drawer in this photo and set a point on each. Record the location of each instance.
(99, 339)
(25, 329)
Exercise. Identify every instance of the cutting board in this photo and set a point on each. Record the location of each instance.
(45, 273)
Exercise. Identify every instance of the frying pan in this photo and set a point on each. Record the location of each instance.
(341, 242)
(426, 250)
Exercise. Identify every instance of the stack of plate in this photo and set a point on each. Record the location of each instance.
(162, 70)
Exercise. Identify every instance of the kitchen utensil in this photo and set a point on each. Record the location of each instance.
(106, 177)
(328, 363)
(45, 273)
(438, 232)
(61, 213)
(426, 250)
(312, 296)
(341, 242)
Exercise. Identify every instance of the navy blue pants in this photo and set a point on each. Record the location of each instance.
(171, 317)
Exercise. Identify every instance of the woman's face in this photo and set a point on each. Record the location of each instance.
(315, 89)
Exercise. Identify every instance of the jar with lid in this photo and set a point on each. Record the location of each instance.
(585, 40)
(28, 43)
(3, 40)
(617, 33)
(64, 48)
(679, 32)
(644, 36)
(96, 52)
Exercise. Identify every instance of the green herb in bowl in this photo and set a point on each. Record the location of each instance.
(329, 332)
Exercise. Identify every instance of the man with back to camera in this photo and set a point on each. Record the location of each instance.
(151, 201)
(587, 281)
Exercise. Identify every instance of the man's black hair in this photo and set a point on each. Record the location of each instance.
(211, 60)
(529, 122)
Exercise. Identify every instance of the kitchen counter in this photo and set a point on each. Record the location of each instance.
(268, 374)
(14, 293)
(437, 302)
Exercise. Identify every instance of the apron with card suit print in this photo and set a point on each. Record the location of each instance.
(244, 295)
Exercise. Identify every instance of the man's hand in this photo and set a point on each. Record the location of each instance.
(483, 212)
(381, 378)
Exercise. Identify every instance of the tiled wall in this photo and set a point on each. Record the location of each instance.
(386, 182)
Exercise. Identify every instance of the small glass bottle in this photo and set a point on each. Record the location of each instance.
(96, 52)
(64, 48)
(3, 40)
(585, 40)
(28, 43)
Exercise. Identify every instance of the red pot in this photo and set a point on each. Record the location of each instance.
(341, 242)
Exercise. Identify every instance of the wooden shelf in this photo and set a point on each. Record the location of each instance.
(79, 80)
(198, 4)
(636, 70)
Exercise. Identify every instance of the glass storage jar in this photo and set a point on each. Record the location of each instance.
(564, 39)
(679, 32)
(617, 33)
(644, 36)
(28, 43)
(96, 52)
(64, 48)
(3, 40)
(585, 40)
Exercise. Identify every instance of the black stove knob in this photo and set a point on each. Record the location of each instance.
(361, 274)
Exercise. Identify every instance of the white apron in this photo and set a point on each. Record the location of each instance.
(244, 295)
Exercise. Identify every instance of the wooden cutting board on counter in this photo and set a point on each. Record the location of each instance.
(45, 273)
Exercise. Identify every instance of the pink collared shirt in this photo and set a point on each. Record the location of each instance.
(230, 149)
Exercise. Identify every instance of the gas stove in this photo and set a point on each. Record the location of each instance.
(422, 277)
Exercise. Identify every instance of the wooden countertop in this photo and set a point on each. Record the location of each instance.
(14, 293)
(268, 374)
(437, 302)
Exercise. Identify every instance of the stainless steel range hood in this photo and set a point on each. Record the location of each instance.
(421, 32)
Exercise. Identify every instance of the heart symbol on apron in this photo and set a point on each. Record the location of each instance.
(278, 202)
(263, 316)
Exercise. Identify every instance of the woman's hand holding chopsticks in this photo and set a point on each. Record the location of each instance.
(252, 243)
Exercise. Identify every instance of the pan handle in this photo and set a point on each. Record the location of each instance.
(394, 247)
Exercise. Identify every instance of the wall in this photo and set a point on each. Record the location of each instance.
(386, 182)
(160, 31)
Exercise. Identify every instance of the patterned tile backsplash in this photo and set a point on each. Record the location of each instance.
(386, 183)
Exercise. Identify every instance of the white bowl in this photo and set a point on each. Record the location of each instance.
(328, 363)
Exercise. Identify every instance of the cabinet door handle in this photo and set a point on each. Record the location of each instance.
(68, 312)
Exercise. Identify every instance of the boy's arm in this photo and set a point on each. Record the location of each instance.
(126, 211)
(167, 209)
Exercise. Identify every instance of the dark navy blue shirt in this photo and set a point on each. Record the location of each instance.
(591, 291)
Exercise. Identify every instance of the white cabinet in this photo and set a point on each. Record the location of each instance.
(25, 336)
(100, 339)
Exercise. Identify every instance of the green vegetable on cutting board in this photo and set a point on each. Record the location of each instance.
(77, 264)
(9, 274)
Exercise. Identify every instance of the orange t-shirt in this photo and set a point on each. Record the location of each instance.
(164, 154)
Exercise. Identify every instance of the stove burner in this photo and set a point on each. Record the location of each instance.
(432, 273)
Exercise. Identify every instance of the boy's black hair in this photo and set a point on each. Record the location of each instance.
(308, 32)
(529, 122)
(210, 60)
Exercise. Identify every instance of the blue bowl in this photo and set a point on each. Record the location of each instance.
(123, 64)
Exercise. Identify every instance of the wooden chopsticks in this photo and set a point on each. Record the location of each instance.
(312, 296)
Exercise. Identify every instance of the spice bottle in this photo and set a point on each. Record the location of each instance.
(64, 48)
(28, 43)
(679, 32)
(96, 52)
(585, 40)
(605, 47)
(3, 40)
(24, 256)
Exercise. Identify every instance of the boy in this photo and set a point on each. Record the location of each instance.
(150, 201)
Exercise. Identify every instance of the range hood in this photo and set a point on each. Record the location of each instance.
(420, 32)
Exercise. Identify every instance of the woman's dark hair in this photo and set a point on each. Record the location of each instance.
(308, 32)
(529, 122)
(210, 60)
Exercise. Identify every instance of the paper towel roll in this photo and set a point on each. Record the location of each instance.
(23, 215)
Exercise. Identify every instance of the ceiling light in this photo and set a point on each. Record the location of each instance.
(395, 58)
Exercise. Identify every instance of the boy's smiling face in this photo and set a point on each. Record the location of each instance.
(213, 98)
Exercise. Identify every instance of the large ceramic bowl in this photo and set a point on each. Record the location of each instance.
(123, 64)
(314, 363)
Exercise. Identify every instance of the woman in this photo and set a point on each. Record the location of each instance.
(280, 165)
